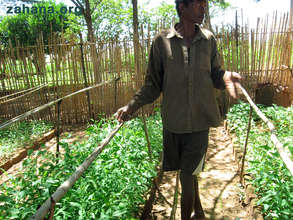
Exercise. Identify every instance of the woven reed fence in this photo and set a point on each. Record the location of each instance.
(66, 68)
(262, 56)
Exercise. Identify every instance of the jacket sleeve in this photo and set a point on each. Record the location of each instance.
(217, 72)
(152, 87)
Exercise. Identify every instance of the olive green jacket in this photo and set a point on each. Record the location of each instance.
(186, 77)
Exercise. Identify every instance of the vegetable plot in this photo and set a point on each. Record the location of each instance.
(272, 181)
(19, 136)
(114, 186)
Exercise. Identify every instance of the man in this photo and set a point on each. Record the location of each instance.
(184, 66)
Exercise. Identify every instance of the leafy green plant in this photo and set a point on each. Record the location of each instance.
(21, 135)
(272, 181)
(114, 186)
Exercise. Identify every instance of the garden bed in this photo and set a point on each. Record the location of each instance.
(21, 136)
(271, 180)
(115, 185)
(22, 153)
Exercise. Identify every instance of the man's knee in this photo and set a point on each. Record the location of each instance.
(187, 182)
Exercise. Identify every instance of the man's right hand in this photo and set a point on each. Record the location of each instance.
(123, 114)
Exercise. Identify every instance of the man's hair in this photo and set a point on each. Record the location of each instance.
(185, 2)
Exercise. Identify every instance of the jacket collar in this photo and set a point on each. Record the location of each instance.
(200, 33)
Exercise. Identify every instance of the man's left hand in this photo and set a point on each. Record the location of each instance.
(231, 79)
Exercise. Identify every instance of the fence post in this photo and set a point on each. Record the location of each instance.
(58, 128)
(84, 77)
(147, 136)
(115, 88)
(175, 199)
(291, 12)
(245, 145)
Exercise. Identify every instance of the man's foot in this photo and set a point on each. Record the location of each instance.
(197, 216)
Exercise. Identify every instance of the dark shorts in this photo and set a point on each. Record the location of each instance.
(184, 151)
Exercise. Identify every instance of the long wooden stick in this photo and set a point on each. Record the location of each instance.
(84, 77)
(64, 187)
(175, 200)
(31, 91)
(147, 136)
(27, 90)
(245, 145)
(58, 129)
(24, 115)
(161, 195)
(282, 151)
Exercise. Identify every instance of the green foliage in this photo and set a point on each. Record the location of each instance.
(272, 180)
(217, 7)
(21, 135)
(112, 18)
(26, 28)
(114, 186)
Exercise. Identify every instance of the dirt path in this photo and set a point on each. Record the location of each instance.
(219, 184)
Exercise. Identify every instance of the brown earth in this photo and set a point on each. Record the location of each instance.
(221, 194)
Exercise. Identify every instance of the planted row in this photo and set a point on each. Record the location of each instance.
(114, 186)
(272, 180)
(21, 135)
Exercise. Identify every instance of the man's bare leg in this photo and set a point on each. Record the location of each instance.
(187, 195)
(198, 211)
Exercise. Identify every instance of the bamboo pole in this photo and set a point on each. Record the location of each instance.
(6, 68)
(147, 137)
(115, 92)
(279, 146)
(32, 91)
(22, 116)
(58, 128)
(16, 93)
(245, 145)
(269, 62)
(85, 78)
(175, 200)
(64, 187)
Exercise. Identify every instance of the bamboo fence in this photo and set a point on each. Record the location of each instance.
(262, 56)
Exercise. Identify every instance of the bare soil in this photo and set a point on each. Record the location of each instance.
(221, 194)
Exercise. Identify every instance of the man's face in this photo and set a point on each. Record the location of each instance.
(195, 11)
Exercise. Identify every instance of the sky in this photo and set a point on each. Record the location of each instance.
(250, 9)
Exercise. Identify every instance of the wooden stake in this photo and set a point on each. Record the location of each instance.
(282, 151)
(175, 200)
(147, 136)
(58, 128)
(64, 187)
(245, 145)
(85, 78)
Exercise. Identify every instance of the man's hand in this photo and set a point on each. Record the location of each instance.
(123, 114)
(231, 79)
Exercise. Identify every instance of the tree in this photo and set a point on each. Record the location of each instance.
(165, 14)
(213, 9)
(291, 8)
(26, 27)
(135, 38)
(87, 9)
(112, 19)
